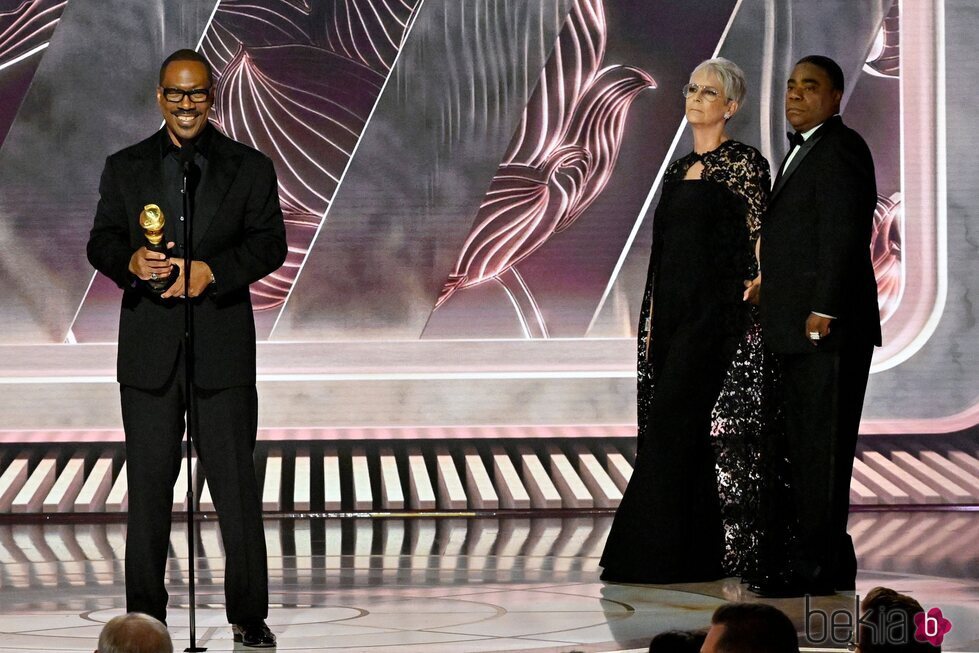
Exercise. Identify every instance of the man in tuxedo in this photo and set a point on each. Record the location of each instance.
(238, 237)
(820, 318)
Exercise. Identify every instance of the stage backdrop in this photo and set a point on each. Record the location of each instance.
(468, 188)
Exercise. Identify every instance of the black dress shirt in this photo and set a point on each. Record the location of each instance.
(173, 229)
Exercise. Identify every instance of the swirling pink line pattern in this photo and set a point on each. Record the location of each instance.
(370, 31)
(884, 59)
(240, 22)
(298, 81)
(560, 160)
(26, 27)
(885, 249)
(571, 69)
(25, 30)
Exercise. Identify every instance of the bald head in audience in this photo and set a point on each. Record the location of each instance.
(134, 633)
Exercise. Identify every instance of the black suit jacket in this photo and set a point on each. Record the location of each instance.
(237, 230)
(815, 247)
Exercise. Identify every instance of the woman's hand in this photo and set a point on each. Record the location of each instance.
(752, 290)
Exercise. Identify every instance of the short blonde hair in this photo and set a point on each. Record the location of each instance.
(730, 74)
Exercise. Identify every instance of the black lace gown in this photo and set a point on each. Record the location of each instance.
(692, 507)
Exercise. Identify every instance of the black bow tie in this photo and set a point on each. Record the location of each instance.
(795, 138)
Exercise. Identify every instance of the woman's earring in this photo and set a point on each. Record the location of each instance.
(727, 115)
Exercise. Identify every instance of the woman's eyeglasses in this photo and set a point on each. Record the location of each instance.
(709, 93)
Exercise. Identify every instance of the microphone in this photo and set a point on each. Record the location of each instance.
(187, 166)
(186, 156)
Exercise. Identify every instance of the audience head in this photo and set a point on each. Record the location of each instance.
(750, 628)
(883, 606)
(134, 633)
(678, 641)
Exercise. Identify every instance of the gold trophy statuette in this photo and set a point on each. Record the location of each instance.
(151, 219)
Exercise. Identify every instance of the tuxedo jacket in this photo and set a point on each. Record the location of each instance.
(815, 244)
(237, 230)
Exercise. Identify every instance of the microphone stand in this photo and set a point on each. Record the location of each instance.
(186, 161)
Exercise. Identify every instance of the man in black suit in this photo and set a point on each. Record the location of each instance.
(238, 238)
(819, 316)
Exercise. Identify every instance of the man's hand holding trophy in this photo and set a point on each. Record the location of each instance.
(151, 262)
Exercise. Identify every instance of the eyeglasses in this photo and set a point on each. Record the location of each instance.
(196, 95)
(709, 93)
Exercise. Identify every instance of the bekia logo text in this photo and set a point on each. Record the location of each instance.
(883, 626)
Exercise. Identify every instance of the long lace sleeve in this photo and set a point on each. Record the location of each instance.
(745, 172)
(756, 189)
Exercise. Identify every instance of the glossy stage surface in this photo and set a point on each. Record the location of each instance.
(450, 584)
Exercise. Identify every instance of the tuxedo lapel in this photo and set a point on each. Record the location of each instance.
(804, 150)
(222, 167)
(778, 173)
(149, 186)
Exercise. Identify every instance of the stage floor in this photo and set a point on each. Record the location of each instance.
(448, 584)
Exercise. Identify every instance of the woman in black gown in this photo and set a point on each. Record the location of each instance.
(687, 514)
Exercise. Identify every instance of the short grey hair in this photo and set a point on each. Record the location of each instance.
(135, 632)
(730, 74)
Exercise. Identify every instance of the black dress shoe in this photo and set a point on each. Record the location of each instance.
(256, 635)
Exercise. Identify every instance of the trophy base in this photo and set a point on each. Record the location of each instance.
(160, 286)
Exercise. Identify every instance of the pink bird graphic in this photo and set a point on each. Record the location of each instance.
(560, 161)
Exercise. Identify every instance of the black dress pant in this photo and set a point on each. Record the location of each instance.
(824, 393)
(227, 423)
